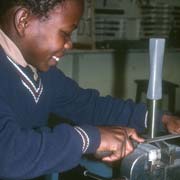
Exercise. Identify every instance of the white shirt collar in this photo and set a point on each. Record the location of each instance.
(14, 53)
(11, 49)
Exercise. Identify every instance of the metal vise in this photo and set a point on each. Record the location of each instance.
(156, 161)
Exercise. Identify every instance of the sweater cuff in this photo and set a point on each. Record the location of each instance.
(90, 138)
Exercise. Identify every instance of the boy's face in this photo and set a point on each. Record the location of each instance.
(46, 39)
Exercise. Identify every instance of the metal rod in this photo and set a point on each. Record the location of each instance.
(94, 176)
(153, 118)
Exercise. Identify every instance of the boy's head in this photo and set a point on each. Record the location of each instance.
(39, 7)
(41, 29)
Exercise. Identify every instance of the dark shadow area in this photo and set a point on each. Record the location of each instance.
(74, 174)
(119, 72)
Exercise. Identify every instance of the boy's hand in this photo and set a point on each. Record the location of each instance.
(118, 141)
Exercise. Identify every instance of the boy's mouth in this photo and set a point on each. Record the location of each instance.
(56, 58)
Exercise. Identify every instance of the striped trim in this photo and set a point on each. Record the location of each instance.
(85, 138)
(146, 119)
(35, 92)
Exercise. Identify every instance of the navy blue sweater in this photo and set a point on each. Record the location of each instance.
(28, 148)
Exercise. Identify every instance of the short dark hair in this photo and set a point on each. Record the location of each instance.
(39, 7)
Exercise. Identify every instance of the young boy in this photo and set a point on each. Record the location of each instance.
(34, 35)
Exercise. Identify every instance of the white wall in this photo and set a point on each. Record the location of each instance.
(91, 69)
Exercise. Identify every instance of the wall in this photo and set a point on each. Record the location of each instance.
(91, 69)
(114, 72)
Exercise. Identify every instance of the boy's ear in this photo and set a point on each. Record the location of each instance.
(21, 20)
